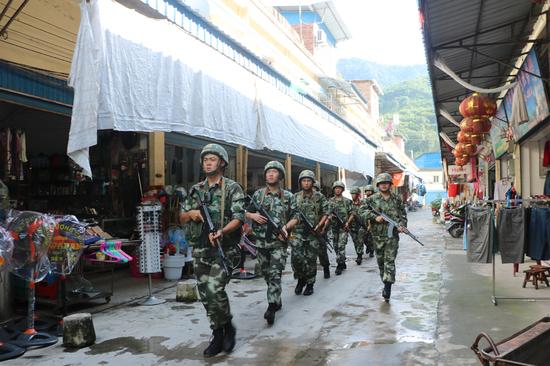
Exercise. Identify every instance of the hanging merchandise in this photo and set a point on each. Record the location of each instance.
(511, 234)
(6, 250)
(547, 184)
(538, 247)
(67, 245)
(546, 154)
(480, 234)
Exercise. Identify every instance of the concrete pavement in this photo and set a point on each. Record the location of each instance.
(439, 304)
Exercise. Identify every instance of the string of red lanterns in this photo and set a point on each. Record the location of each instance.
(477, 109)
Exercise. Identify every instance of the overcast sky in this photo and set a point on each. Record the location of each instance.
(383, 31)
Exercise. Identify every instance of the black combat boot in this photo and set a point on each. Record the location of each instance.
(270, 312)
(359, 259)
(326, 271)
(339, 269)
(216, 344)
(309, 289)
(344, 265)
(386, 293)
(229, 333)
(371, 253)
(299, 287)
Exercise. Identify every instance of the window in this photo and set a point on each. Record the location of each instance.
(436, 178)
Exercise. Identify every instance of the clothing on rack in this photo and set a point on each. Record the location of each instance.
(547, 184)
(511, 234)
(539, 234)
(546, 154)
(501, 187)
(481, 234)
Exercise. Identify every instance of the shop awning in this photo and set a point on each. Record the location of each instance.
(478, 40)
(385, 162)
(134, 73)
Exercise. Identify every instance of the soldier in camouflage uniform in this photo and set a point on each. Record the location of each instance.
(305, 246)
(386, 248)
(323, 254)
(340, 207)
(225, 202)
(365, 232)
(354, 223)
(272, 250)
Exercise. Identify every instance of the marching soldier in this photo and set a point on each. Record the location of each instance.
(386, 247)
(224, 200)
(305, 247)
(365, 234)
(323, 254)
(340, 209)
(272, 249)
(354, 223)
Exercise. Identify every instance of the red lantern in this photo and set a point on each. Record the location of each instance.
(463, 137)
(466, 125)
(456, 154)
(480, 125)
(470, 149)
(477, 139)
(477, 105)
(460, 148)
(461, 161)
(487, 126)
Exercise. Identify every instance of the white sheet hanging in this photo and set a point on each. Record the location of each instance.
(133, 73)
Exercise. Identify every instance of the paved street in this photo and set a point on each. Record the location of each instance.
(439, 304)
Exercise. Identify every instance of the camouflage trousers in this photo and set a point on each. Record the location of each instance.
(304, 259)
(361, 239)
(211, 282)
(339, 241)
(272, 263)
(322, 253)
(386, 252)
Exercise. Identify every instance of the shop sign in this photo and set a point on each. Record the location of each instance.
(459, 170)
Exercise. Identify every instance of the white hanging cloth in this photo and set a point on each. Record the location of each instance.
(447, 139)
(519, 110)
(450, 118)
(440, 64)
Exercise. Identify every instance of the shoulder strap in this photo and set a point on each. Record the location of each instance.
(222, 204)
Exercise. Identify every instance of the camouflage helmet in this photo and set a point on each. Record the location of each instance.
(306, 174)
(355, 190)
(275, 165)
(317, 185)
(383, 178)
(338, 183)
(370, 187)
(216, 150)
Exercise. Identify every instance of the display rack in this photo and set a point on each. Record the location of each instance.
(150, 231)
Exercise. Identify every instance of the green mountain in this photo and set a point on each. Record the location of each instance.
(385, 75)
(406, 92)
(412, 100)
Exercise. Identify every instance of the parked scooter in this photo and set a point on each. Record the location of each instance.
(454, 221)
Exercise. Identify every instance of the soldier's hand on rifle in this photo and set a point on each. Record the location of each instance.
(284, 236)
(379, 219)
(257, 218)
(346, 226)
(402, 229)
(214, 237)
(195, 215)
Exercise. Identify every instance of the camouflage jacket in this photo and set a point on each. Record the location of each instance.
(341, 206)
(313, 207)
(355, 209)
(196, 233)
(280, 206)
(393, 207)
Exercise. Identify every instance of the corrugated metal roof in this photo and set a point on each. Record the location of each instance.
(453, 29)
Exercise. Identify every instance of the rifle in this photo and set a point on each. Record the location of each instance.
(209, 227)
(309, 228)
(393, 224)
(340, 223)
(272, 226)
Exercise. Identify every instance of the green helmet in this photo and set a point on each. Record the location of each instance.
(383, 178)
(216, 150)
(317, 185)
(275, 165)
(338, 183)
(355, 190)
(370, 187)
(306, 174)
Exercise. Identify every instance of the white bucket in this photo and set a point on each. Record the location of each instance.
(173, 264)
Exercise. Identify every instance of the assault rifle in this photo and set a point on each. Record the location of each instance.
(311, 229)
(209, 227)
(339, 221)
(272, 226)
(393, 224)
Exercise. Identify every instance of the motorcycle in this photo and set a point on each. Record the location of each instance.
(455, 220)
